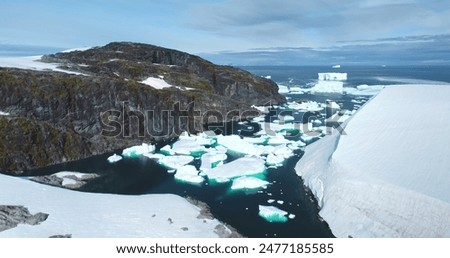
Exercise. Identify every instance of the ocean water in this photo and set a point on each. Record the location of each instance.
(357, 75)
(145, 176)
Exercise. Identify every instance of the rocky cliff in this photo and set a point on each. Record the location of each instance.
(57, 117)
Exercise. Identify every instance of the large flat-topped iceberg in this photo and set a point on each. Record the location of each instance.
(332, 76)
(389, 176)
(240, 167)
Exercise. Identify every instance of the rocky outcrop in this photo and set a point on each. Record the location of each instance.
(11, 216)
(57, 117)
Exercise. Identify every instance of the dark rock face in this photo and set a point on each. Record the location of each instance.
(11, 216)
(57, 117)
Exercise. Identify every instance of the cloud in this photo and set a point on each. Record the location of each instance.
(415, 50)
(317, 23)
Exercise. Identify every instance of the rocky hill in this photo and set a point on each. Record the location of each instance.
(56, 117)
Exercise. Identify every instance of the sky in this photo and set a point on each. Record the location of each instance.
(240, 31)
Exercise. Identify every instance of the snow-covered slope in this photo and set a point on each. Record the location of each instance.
(32, 63)
(104, 215)
(390, 175)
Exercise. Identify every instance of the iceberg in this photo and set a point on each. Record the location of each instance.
(237, 144)
(274, 160)
(212, 159)
(248, 183)
(138, 150)
(175, 162)
(371, 182)
(272, 214)
(189, 174)
(237, 168)
(114, 158)
(328, 87)
(332, 76)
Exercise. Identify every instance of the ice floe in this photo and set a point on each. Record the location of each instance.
(248, 182)
(272, 214)
(114, 158)
(135, 151)
(189, 174)
(239, 167)
(212, 159)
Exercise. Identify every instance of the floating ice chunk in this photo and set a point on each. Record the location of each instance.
(259, 119)
(278, 139)
(268, 77)
(154, 155)
(317, 122)
(336, 66)
(167, 150)
(283, 151)
(272, 214)
(4, 113)
(280, 202)
(135, 151)
(248, 182)
(283, 89)
(256, 140)
(328, 87)
(239, 167)
(296, 90)
(286, 118)
(332, 76)
(114, 158)
(236, 144)
(265, 149)
(308, 106)
(189, 174)
(270, 201)
(188, 147)
(175, 162)
(212, 159)
(275, 160)
(291, 216)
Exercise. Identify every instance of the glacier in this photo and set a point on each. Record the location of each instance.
(389, 175)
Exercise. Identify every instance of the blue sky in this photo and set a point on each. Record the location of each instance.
(230, 30)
